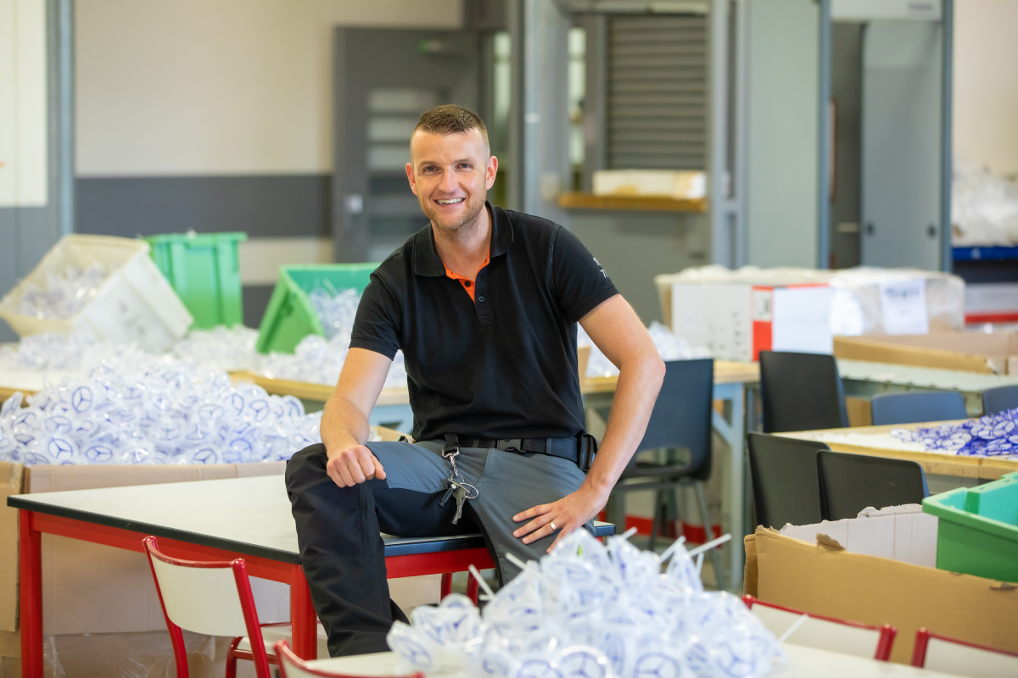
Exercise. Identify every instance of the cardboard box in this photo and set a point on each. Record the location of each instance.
(737, 321)
(651, 183)
(902, 533)
(966, 351)
(824, 578)
(91, 588)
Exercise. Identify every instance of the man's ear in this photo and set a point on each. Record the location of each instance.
(411, 178)
(491, 172)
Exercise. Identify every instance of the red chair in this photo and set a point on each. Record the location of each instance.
(826, 633)
(293, 666)
(949, 655)
(213, 598)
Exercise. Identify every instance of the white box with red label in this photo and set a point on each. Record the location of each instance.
(738, 320)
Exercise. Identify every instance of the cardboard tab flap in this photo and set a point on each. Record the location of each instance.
(824, 540)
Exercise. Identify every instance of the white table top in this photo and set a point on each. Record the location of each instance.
(806, 662)
(251, 516)
(244, 515)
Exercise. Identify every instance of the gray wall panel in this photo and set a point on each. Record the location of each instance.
(8, 261)
(256, 299)
(633, 247)
(263, 206)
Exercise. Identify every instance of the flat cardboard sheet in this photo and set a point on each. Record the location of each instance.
(828, 580)
(10, 483)
(966, 351)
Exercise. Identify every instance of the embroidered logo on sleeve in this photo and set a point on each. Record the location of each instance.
(600, 267)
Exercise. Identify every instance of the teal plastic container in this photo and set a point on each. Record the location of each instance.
(290, 316)
(977, 529)
(204, 269)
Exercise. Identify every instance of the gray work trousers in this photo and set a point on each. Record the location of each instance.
(338, 529)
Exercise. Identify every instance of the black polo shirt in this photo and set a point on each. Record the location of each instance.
(504, 365)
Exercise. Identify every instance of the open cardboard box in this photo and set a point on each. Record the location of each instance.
(966, 351)
(822, 577)
(91, 588)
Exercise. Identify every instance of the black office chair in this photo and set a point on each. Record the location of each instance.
(800, 392)
(850, 483)
(681, 419)
(997, 400)
(916, 407)
(786, 483)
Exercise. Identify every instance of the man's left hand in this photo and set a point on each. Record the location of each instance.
(566, 514)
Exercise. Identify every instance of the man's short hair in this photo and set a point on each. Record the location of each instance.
(451, 119)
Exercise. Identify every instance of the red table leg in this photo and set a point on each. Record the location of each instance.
(30, 555)
(302, 616)
(446, 585)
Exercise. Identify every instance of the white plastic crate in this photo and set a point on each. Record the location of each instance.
(135, 303)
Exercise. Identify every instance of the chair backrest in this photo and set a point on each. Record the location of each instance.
(996, 400)
(292, 666)
(682, 413)
(851, 482)
(948, 655)
(827, 633)
(800, 392)
(786, 484)
(916, 407)
(212, 598)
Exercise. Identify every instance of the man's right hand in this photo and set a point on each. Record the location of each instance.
(353, 465)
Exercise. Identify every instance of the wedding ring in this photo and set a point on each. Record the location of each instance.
(553, 528)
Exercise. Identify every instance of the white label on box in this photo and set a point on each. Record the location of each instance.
(903, 307)
(802, 319)
(762, 305)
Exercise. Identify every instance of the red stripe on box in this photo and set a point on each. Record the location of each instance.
(973, 318)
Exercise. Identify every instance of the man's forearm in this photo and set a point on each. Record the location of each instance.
(638, 386)
(343, 424)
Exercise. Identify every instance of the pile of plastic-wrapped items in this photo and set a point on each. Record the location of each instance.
(593, 611)
(117, 404)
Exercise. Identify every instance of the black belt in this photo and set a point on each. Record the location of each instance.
(579, 450)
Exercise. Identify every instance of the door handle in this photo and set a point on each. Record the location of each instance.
(354, 203)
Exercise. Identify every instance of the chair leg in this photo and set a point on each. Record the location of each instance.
(715, 559)
(656, 525)
(231, 658)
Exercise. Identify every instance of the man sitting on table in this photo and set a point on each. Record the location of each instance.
(483, 303)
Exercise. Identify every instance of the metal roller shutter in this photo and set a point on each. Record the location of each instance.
(657, 92)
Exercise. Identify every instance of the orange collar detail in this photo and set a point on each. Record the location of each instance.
(467, 283)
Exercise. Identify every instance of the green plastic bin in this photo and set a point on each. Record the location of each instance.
(977, 529)
(290, 316)
(204, 270)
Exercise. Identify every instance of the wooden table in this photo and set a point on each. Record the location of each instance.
(804, 662)
(964, 466)
(207, 520)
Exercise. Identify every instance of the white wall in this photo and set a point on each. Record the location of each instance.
(23, 105)
(986, 83)
(198, 87)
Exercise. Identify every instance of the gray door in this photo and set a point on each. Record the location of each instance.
(901, 144)
(384, 80)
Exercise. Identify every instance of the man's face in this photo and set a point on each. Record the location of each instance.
(450, 175)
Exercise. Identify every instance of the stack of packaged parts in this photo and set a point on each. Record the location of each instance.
(984, 207)
(738, 313)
